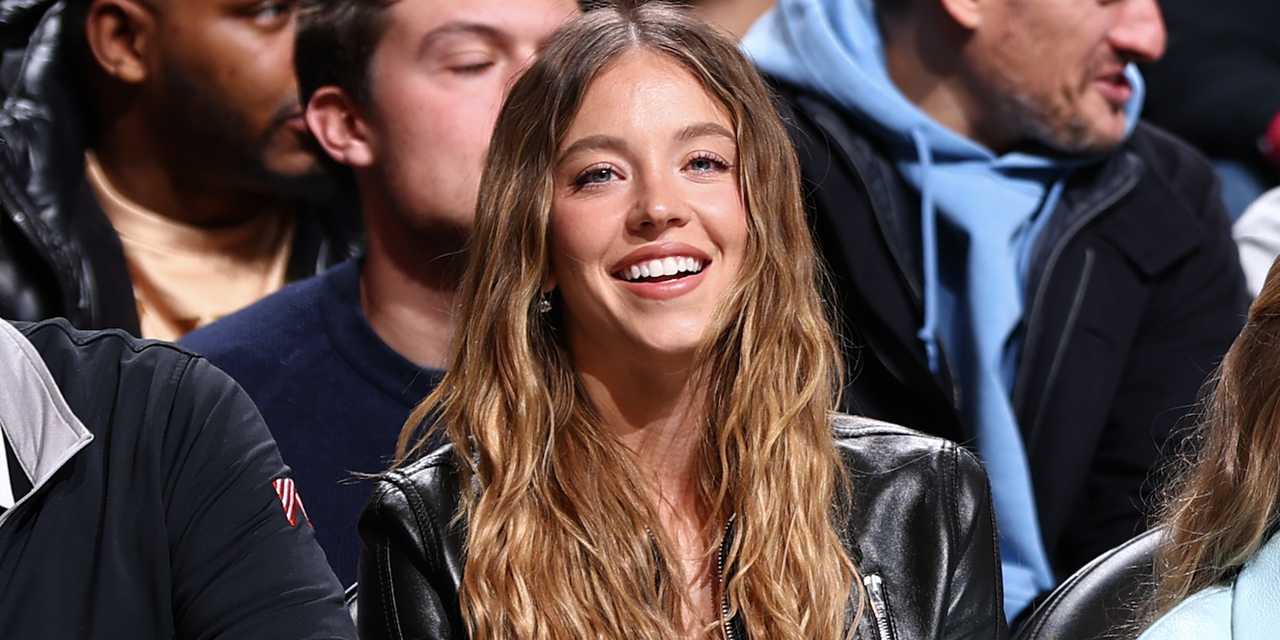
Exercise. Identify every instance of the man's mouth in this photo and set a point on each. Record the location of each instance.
(1114, 87)
(297, 123)
(661, 269)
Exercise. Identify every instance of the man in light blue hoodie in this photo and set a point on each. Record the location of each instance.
(1022, 266)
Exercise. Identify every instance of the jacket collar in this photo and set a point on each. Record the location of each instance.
(35, 418)
(1255, 605)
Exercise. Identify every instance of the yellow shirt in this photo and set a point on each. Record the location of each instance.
(186, 276)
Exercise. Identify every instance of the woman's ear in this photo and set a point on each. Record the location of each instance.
(121, 34)
(338, 126)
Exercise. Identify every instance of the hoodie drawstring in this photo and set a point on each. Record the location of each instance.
(928, 333)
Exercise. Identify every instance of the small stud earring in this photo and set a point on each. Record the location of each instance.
(544, 303)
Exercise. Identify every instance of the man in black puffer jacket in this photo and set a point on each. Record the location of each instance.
(193, 198)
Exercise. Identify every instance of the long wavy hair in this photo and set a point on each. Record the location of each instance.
(564, 539)
(1225, 505)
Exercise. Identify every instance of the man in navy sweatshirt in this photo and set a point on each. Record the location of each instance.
(337, 363)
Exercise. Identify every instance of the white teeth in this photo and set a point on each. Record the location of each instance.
(669, 266)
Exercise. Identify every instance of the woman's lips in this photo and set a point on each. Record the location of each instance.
(666, 287)
(658, 268)
(662, 271)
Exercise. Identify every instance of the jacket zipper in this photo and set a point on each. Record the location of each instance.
(1037, 304)
(724, 595)
(879, 606)
(874, 589)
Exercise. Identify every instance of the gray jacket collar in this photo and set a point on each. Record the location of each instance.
(41, 428)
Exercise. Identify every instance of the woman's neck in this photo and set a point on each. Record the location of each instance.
(658, 416)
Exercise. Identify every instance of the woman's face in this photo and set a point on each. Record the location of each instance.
(648, 228)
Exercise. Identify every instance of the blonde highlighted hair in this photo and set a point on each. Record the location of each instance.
(1224, 507)
(564, 540)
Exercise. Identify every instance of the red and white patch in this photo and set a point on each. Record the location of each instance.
(287, 491)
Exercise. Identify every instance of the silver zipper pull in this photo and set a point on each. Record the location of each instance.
(874, 587)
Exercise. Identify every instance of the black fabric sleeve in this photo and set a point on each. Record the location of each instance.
(240, 569)
(398, 595)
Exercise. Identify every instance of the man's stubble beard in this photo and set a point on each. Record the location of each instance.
(220, 139)
(1053, 120)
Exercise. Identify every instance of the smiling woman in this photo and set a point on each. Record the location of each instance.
(647, 227)
(655, 455)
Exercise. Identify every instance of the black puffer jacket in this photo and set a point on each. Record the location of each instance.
(59, 255)
(1133, 294)
(920, 531)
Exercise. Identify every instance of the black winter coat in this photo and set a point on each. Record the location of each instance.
(59, 255)
(1134, 294)
(919, 527)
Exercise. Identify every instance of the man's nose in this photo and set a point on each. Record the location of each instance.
(1139, 32)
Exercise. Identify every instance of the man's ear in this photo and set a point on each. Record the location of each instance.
(337, 125)
(966, 13)
(119, 34)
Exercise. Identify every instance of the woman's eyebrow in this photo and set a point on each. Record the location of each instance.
(601, 141)
(590, 143)
(701, 129)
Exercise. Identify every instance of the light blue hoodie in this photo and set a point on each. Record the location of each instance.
(980, 216)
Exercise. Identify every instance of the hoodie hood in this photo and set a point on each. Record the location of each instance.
(834, 48)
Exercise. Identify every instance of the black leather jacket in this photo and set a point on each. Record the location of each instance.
(59, 255)
(921, 534)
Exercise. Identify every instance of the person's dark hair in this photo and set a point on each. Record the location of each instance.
(336, 39)
(1226, 504)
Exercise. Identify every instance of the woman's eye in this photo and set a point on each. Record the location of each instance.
(595, 176)
(707, 164)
